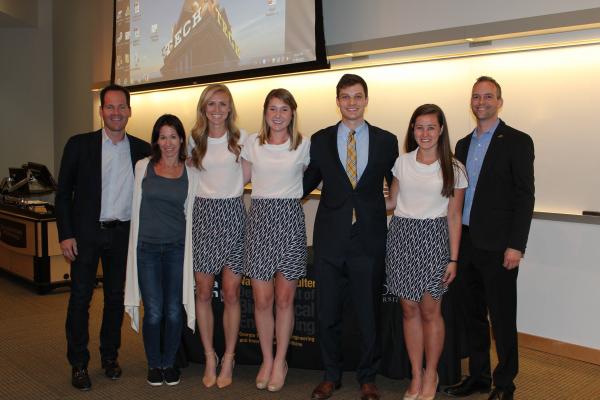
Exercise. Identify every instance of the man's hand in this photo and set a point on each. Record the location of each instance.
(512, 258)
(69, 248)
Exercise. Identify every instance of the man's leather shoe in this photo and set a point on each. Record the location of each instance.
(467, 387)
(324, 390)
(112, 369)
(80, 378)
(499, 394)
(368, 391)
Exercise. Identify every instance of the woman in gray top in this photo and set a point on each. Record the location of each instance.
(159, 253)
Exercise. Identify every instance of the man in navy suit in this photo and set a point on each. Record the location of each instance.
(93, 209)
(496, 219)
(351, 158)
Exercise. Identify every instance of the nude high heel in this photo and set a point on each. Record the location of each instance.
(209, 381)
(437, 381)
(413, 396)
(276, 386)
(261, 383)
(224, 381)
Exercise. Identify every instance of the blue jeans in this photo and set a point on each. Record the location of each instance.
(160, 275)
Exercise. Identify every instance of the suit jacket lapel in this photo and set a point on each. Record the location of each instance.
(132, 151)
(96, 155)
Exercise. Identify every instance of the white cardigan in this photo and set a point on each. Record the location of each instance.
(132, 289)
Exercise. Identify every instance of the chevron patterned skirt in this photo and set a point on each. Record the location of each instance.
(275, 239)
(218, 234)
(417, 256)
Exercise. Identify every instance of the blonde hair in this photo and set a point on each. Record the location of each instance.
(200, 130)
(285, 96)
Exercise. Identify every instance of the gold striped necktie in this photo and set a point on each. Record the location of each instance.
(351, 164)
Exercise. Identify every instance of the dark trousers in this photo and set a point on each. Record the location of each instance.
(362, 277)
(488, 287)
(160, 276)
(110, 246)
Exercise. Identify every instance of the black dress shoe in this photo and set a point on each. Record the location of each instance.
(80, 378)
(467, 387)
(499, 394)
(112, 369)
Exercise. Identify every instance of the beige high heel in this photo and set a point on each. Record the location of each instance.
(209, 381)
(275, 386)
(261, 384)
(414, 396)
(227, 380)
(437, 381)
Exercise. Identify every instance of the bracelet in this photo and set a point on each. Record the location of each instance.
(454, 261)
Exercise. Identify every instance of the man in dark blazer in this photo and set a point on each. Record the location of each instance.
(496, 219)
(350, 231)
(93, 208)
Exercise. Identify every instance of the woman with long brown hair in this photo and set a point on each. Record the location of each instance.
(424, 234)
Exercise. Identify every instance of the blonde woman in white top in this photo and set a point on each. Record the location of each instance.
(218, 224)
(422, 245)
(276, 235)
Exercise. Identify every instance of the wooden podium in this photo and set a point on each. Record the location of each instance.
(29, 248)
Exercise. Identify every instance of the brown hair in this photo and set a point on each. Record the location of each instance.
(173, 122)
(285, 96)
(351, 80)
(447, 161)
(490, 80)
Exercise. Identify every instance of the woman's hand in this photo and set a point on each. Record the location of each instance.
(450, 273)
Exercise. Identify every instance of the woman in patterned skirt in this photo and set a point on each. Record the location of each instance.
(218, 224)
(422, 246)
(275, 235)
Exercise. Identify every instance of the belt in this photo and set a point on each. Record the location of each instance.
(115, 223)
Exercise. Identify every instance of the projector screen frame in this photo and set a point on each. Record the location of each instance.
(320, 63)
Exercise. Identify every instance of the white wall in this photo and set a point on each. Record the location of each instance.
(349, 21)
(558, 283)
(26, 87)
(82, 62)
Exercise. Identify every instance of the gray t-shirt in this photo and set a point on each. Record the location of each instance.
(162, 214)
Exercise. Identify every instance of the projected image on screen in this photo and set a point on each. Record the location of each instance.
(169, 40)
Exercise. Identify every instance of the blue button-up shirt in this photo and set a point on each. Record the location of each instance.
(361, 134)
(117, 180)
(477, 150)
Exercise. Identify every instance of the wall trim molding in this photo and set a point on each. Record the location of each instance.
(563, 349)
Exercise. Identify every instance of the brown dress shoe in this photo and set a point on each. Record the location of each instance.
(368, 391)
(324, 390)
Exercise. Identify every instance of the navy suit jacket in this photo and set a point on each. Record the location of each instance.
(505, 194)
(333, 222)
(79, 191)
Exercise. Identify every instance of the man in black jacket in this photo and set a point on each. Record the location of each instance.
(496, 219)
(93, 209)
(351, 158)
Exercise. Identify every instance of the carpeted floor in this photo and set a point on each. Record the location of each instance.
(33, 364)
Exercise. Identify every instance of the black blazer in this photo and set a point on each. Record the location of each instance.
(505, 194)
(79, 192)
(334, 215)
